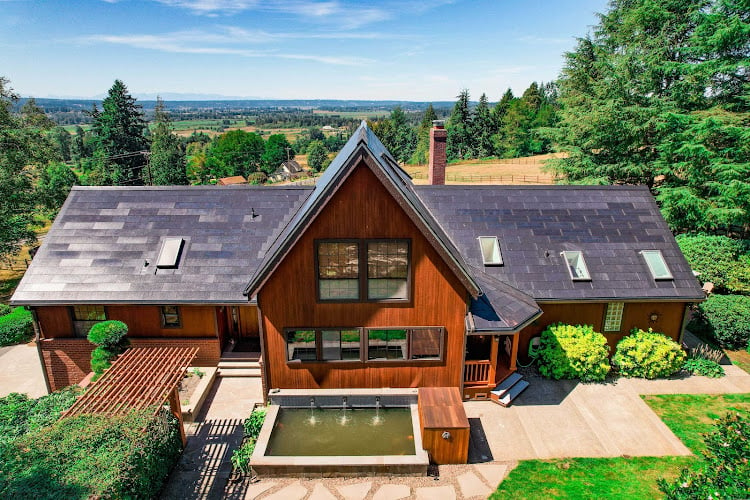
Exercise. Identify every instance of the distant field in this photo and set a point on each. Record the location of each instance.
(524, 170)
(362, 115)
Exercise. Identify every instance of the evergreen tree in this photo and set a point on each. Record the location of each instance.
(25, 145)
(62, 140)
(460, 144)
(662, 88)
(502, 106)
(483, 128)
(78, 147)
(119, 141)
(422, 151)
(167, 161)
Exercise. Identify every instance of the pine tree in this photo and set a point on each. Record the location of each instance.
(460, 144)
(167, 161)
(119, 141)
(422, 151)
(483, 127)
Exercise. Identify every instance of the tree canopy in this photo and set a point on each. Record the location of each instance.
(661, 88)
(167, 161)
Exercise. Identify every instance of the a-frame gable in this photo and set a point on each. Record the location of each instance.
(363, 148)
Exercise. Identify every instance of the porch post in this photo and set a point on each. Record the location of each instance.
(174, 406)
(514, 351)
(494, 346)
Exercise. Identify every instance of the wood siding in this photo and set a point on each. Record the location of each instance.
(248, 321)
(362, 208)
(635, 315)
(142, 321)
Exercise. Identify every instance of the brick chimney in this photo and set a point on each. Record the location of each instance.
(438, 136)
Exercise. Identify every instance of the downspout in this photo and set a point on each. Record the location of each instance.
(685, 321)
(263, 365)
(37, 340)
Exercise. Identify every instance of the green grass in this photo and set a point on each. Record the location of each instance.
(590, 478)
(688, 416)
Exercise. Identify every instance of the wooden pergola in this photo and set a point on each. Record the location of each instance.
(140, 378)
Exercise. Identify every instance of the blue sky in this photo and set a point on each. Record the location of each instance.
(288, 49)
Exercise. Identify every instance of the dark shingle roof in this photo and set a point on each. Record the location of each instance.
(96, 249)
(609, 224)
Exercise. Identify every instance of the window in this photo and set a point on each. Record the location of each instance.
(341, 278)
(84, 317)
(613, 317)
(490, 247)
(338, 270)
(387, 270)
(323, 345)
(656, 264)
(576, 265)
(170, 317)
(404, 344)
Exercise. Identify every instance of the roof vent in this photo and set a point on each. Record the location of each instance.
(169, 256)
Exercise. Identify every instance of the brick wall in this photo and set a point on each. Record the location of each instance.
(67, 361)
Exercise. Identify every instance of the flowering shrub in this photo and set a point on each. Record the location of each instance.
(725, 470)
(648, 355)
(568, 351)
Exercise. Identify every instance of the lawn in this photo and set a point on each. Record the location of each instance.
(740, 358)
(624, 478)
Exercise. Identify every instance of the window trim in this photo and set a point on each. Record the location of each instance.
(606, 313)
(496, 245)
(409, 329)
(660, 255)
(362, 269)
(565, 253)
(162, 315)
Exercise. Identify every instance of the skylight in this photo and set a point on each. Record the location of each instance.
(490, 247)
(169, 256)
(576, 265)
(656, 264)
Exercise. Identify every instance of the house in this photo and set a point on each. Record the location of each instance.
(289, 169)
(363, 280)
(229, 181)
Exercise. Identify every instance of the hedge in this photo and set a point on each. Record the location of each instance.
(16, 327)
(724, 318)
(568, 352)
(93, 456)
(648, 354)
(723, 261)
(19, 414)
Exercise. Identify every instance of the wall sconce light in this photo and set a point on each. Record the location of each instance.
(654, 317)
(446, 435)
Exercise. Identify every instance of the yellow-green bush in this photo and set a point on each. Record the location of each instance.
(568, 352)
(648, 354)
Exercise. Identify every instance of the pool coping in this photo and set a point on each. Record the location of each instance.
(343, 465)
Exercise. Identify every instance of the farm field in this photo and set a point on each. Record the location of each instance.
(524, 170)
(360, 115)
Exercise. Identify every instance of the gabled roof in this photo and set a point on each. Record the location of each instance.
(610, 225)
(96, 250)
(363, 146)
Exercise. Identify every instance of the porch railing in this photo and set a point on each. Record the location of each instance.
(477, 372)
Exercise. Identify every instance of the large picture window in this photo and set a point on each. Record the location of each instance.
(86, 316)
(338, 270)
(383, 276)
(364, 344)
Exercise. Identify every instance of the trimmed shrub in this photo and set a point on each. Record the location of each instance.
(648, 354)
(111, 339)
(93, 456)
(725, 470)
(569, 352)
(110, 335)
(723, 261)
(725, 319)
(705, 367)
(16, 327)
(5, 309)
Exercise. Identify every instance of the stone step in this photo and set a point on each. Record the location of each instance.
(239, 372)
(240, 356)
(238, 364)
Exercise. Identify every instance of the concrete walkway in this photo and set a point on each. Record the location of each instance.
(21, 371)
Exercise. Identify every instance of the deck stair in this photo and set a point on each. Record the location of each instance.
(508, 389)
(239, 364)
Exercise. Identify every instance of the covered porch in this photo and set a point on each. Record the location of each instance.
(491, 357)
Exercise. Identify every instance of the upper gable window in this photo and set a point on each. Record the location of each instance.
(338, 270)
(388, 270)
(656, 264)
(576, 265)
(490, 247)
